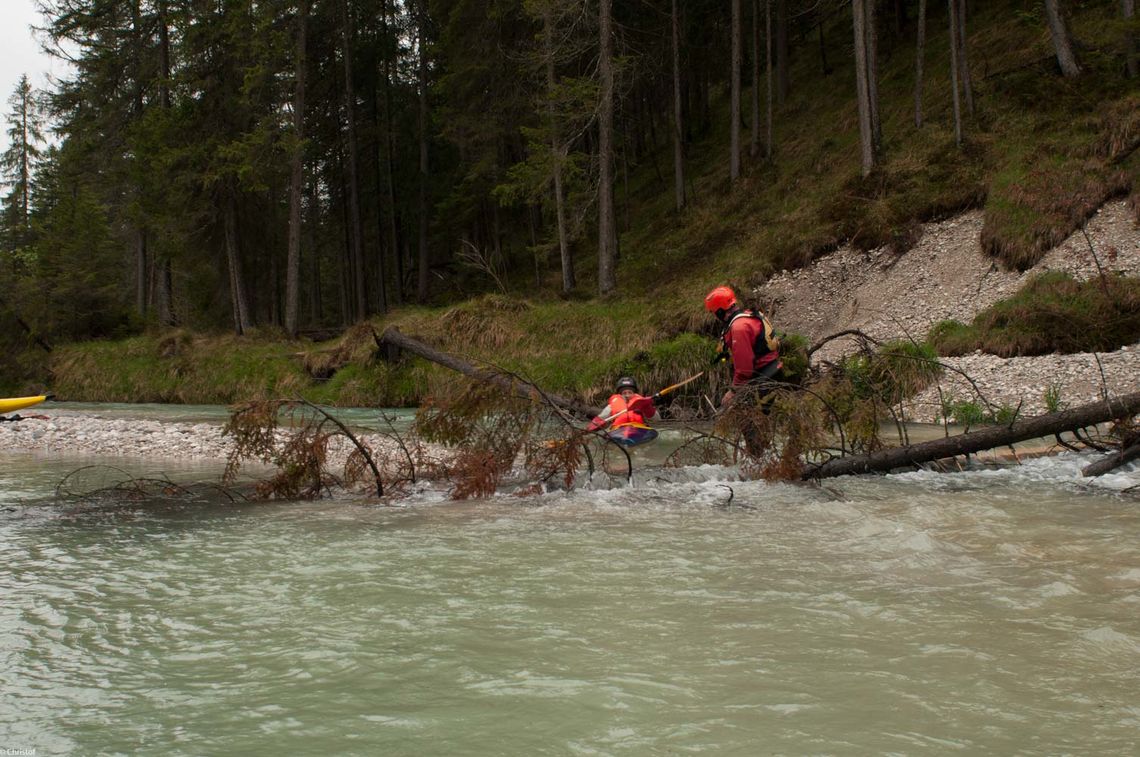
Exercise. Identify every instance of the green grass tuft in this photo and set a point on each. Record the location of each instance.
(1052, 313)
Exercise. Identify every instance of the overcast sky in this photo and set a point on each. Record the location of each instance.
(20, 53)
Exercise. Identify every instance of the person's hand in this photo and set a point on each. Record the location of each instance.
(726, 400)
(656, 398)
(595, 424)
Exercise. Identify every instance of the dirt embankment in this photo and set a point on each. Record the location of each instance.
(946, 276)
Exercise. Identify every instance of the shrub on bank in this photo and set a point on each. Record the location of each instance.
(1052, 313)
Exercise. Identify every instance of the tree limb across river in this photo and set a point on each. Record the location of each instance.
(983, 439)
(518, 386)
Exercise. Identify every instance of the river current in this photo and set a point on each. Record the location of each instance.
(989, 611)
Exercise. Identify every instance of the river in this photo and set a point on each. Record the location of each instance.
(990, 611)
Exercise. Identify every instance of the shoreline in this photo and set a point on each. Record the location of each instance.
(77, 434)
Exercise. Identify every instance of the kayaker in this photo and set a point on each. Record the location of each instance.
(750, 341)
(627, 411)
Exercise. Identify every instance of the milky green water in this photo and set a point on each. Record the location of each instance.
(984, 612)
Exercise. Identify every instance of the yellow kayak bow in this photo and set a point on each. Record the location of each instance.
(19, 403)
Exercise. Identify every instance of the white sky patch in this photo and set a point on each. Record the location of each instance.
(20, 53)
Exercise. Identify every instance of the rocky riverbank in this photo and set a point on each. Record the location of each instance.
(79, 433)
(47, 430)
(947, 276)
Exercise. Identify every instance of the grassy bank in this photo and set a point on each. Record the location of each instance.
(575, 349)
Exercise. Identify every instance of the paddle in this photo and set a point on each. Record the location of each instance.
(679, 384)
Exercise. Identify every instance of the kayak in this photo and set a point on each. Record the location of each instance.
(19, 403)
(632, 434)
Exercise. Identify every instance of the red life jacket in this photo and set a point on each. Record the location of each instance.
(620, 412)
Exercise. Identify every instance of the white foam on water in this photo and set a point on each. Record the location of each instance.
(1058, 589)
(1129, 577)
(1109, 639)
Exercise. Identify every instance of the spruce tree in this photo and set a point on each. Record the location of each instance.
(24, 125)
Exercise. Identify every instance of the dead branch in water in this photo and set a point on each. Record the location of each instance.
(1129, 450)
(114, 487)
(300, 455)
(1112, 461)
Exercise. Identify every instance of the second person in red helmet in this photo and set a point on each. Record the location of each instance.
(750, 341)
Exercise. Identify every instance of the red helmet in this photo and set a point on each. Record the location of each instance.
(721, 298)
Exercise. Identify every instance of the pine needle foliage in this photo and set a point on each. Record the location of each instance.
(836, 412)
(299, 452)
(487, 425)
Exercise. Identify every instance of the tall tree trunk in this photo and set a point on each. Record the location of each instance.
(559, 153)
(824, 67)
(1127, 10)
(533, 219)
(769, 143)
(344, 291)
(872, 30)
(142, 253)
(25, 162)
(783, 64)
(422, 270)
(754, 144)
(142, 271)
(678, 130)
(734, 109)
(316, 306)
(273, 275)
(296, 178)
(389, 180)
(1062, 44)
(166, 314)
(239, 301)
(359, 290)
(955, 69)
(861, 18)
(607, 233)
(378, 197)
(164, 56)
(919, 55)
(964, 58)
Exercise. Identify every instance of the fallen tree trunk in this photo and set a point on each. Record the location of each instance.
(1112, 461)
(520, 387)
(976, 441)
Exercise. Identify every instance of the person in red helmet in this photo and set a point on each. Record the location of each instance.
(627, 411)
(750, 341)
